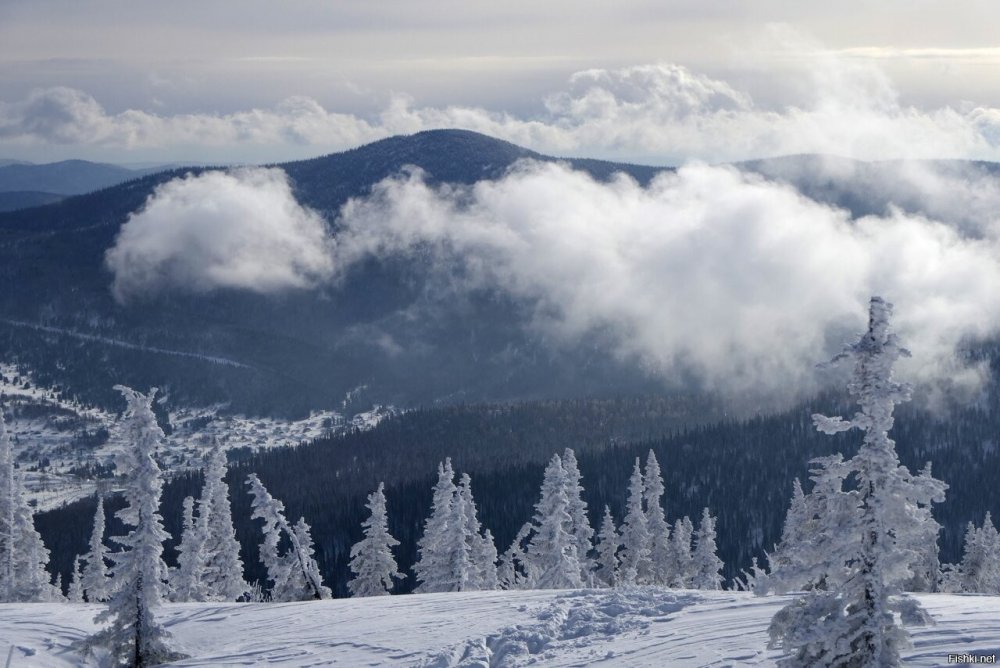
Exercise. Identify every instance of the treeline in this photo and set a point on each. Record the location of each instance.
(741, 469)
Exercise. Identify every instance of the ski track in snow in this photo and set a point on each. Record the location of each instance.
(642, 627)
(223, 361)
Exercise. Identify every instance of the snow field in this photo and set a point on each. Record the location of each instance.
(641, 627)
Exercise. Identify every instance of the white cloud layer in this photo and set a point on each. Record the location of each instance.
(242, 229)
(660, 112)
(740, 282)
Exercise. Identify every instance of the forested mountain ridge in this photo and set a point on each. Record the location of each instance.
(741, 469)
(385, 326)
(295, 351)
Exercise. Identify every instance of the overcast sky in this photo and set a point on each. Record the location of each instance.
(653, 81)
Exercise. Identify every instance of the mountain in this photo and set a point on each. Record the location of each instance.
(384, 334)
(291, 353)
(68, 177)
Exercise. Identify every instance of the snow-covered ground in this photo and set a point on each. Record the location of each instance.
(50, 428)
(643, 627)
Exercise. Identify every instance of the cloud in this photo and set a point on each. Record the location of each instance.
(241, 229)
(709, 273)
(655, 112)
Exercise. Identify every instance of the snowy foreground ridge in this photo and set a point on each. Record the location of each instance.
(630, 627)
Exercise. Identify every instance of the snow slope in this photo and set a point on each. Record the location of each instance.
(642, 627)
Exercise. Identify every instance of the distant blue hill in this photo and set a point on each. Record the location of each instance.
(68, 177)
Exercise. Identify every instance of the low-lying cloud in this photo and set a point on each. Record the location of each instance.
(707, 273)
(241, 229)
(740, 282)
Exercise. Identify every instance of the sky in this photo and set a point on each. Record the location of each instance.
(639, 80)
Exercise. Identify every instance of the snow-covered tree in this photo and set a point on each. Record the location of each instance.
(372, 562)
(706, 567)
(813, 527)
(134, 637)
(512, 571)
(186, 579)
(979, 570)
(294, 575)
(656, 521)
(636, 562)
(870, 556)
(75, 592)
(481, 549)
(221, 572)
(552, 550)
(582, 532)
(95, 572)
(608, 544)
(433, 569)
(23, 556)
(681, 557)
(485, 557)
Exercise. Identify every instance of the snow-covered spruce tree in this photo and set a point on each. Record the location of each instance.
(814, 527)
(75, 592)
(582, 532)
(608, 544)
(295, 575)
(706, 567)
(656, 521)
(186, 579)
(482, 551)
(134, 637)
(8, 503)
(852, 621)
(485, 557)
(96, 586)
(23, 556)
(636, 565)
(681, 557)
(221, 572)
(433, 570)
(552, 552)
(979, 570)
(372, 562)
(512, 571)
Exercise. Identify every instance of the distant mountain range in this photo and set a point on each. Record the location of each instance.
(23, 184)
(311, 349)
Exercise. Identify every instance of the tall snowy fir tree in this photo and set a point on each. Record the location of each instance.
(75, 592)
(706, 567)
(656, 521)
(481, 549)
(608, 544)
(432, 569)
(979, 570)
(636, 562)
(814, 528)
(221, 572)
(23, 555)
(582, 532)
(95, 571)
(294, 575)
(681, 557)
(134, 636)
(552, 551)
(512, 569)
(185, 580)
(852, 622)
(8, 503)
(372, 562)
